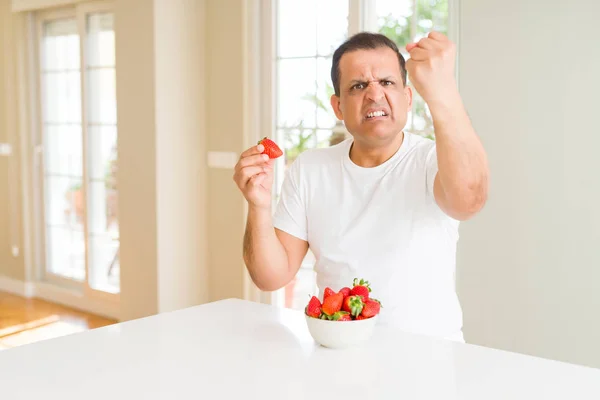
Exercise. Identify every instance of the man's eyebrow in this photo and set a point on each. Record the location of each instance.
(353, 81)
(385, 78)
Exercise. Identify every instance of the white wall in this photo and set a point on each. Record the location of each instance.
(134, 31)
(529, 265)
(179, 27)
(162, 136)
(10, 185)
(226, 60)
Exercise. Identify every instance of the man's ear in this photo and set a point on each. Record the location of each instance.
(335, 104)
(409, 97)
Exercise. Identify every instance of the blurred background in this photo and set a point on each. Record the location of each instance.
(121, 121)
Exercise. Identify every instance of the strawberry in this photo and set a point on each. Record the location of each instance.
(271, 148)
(341, 316)
(371, 308)
(313, 309)
(327, 292)
(332, 304)
(353, 305)
(360, 288)
(345, 291)
(361, 317)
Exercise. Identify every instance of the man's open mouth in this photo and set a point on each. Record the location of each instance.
(375, 114)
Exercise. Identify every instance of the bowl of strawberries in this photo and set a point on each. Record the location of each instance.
(345, 318)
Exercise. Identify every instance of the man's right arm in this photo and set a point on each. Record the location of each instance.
(272, 256)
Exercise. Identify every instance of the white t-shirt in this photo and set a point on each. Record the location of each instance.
(381, 224)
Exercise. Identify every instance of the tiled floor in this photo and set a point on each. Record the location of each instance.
(24, 321)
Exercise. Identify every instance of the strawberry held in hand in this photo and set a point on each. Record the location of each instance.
(271, 148)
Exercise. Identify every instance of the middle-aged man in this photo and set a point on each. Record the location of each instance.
(384, 205)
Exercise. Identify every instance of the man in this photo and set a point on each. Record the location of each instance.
(384, 205)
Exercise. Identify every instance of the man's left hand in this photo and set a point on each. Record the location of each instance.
(431, 68)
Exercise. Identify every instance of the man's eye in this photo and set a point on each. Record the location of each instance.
(359, 86)
(387, 83)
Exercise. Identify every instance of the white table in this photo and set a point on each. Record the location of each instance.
(234, 349)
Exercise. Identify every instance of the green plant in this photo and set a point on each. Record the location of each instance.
(75, 187)
(298, 138)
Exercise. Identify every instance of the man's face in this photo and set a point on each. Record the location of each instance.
(373, 102)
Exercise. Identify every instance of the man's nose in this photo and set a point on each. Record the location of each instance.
(374, 91)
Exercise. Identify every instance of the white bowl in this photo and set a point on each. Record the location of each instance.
(340, 334)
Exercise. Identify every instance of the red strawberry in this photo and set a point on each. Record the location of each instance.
(327, 292)
(353, 305)
(341, 316)
(360, 288)
(345, 291)
(361, 317)
(371, 308)
(271, 148)
(333, 304)
(313, 309)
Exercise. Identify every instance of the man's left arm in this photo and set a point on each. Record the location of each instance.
(461, 184)
(462, 181)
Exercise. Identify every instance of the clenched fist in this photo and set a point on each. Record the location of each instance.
(254, 176)
(431, 67)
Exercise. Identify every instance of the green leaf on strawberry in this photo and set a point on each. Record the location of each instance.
(341, 316)
(353, 305)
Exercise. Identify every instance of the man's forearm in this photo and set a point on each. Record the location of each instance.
(462, 161)
(265, 256)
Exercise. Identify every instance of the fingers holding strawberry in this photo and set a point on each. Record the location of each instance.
(253, 172)
(270, 148)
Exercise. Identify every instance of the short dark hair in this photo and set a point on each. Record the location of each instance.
(363, 41)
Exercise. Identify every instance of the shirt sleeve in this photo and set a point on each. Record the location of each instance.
(290, 213)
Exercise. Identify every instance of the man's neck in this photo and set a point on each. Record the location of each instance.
(367, 156)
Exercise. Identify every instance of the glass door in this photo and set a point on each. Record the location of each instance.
(78, 185)
(63, 195)
(101, 152)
